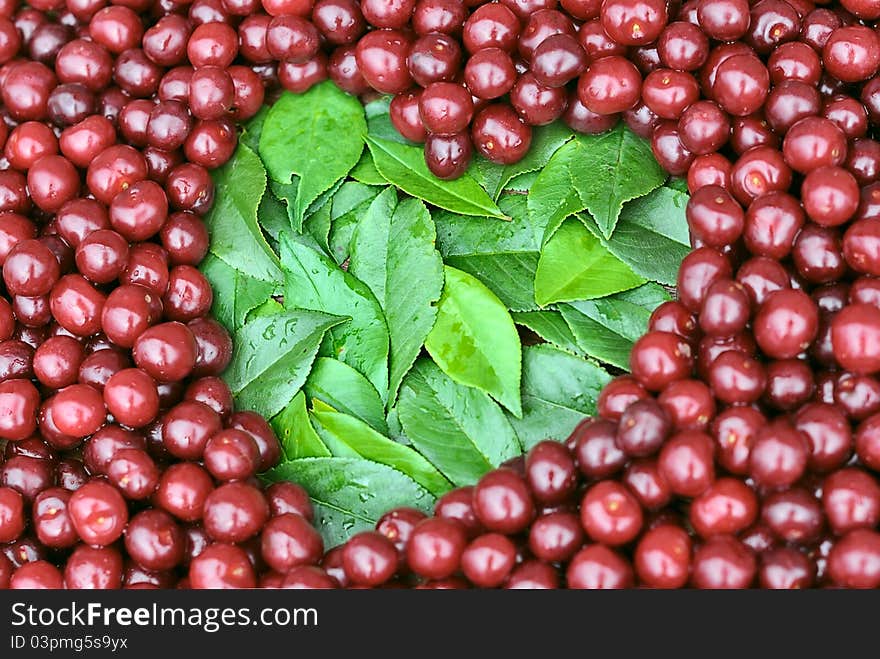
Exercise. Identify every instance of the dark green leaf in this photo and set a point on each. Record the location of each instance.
(298, 437)
(250, 136)
(346, 390)
(235, 293)
(350, 495)
(545, 142)
(678, 184)
(395, 430)
(503, 255)
(272, 216)
(393, 253)
(345, 217)
(318, 135)
(373, 446)
(651, 236)
(318, 226)
(313, 281)
(286, 194)
(474, 340)
(333, 225)
(559, 391)
(460, 429)
(575, 266)
(405, 167)
(272, 357)
(595, 173)
(550, 326)
(232, 222)
(607, 328)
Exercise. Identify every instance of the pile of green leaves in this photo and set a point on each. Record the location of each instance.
(375, 308)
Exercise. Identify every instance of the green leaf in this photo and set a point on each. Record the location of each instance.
(522, 183)
(352, 195)
(393, 253)
(345, 218)
(351, 494)
(337, 447)
(474, 340)
(272, 357)
(346, 390)
(236, 237)
(545, 142)
(651, 236)
(405, 167)
(460, 429)
(595, 173)
(550, 326)
(250, 136)
(607, 328)
(379, 120)
(235, 293)
(298, 437)
(365, 171)
(575, 266)
(272, 216)
(269, 308)
(503, 255)
(374, 446)
(559, 391)
(395, 430)
(318, 226)
(318, 135)
(678, 184)
(313, 281)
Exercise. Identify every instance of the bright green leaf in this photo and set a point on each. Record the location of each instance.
(575, 266)
(459, 429)
(374, 446)
(379, 121)
(298, 437)
(345, 217)
(318, 226)
(337, 447)
(365, 171)
(272, 216)
(474, 340)
(250, 136)
(522, 183)
(405, 167)
(678, 184)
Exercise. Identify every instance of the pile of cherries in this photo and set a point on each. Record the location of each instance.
(742, 449)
